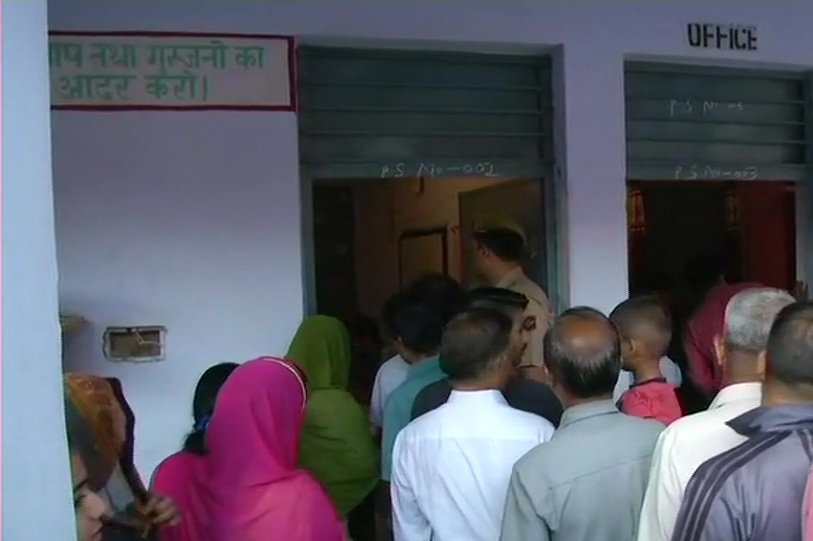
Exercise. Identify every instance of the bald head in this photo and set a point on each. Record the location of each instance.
(582, 353)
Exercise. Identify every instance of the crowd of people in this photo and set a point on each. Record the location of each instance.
(493, 420)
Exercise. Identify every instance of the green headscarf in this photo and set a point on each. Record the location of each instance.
(321, 348)
(337, 444)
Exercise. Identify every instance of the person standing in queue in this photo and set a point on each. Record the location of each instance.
(755, 491)
(521, 393)
(499, 247)
(451, 467)
(588, 482)
(692, 440)
(716, 279)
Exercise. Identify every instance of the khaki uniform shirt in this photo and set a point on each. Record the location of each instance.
(538, 306)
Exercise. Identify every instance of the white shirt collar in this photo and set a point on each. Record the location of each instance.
(737, 392)
(491, 396)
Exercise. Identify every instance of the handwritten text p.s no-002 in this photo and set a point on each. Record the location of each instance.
(429, 170)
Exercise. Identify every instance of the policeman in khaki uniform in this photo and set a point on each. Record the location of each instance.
(499, 246)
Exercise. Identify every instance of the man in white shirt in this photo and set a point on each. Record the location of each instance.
(390, 375)
(452, 466)
(689, 442)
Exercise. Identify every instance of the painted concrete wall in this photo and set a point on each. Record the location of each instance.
(36, 472)
(187, 221)
(215, 308)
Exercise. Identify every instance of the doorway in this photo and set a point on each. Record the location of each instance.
(670, 223)
(371, 237)
(389, 140)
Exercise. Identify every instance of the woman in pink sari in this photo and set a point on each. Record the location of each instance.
(255, 490)
(180, 476)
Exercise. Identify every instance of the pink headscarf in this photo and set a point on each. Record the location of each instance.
(255, 491)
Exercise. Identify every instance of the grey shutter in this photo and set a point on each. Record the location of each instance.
(703, 123)
(394, 113)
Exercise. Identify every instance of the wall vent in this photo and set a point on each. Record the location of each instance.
(134, 344)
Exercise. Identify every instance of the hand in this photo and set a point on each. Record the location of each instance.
(162, 511)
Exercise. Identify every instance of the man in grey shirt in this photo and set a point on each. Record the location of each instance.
(754, 492)
(588, 482)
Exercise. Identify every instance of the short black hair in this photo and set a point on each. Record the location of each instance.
(646, 312)
(506, 244)
(586, 371)
(496, 297)
(472, 341)
(653, 283)
(417, 322)
(388, 316)
(790, 345)
(704, 270)
(203, 405)
(443, 291)
(362, 327)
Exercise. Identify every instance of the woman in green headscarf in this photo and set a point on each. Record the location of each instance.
(337, 443)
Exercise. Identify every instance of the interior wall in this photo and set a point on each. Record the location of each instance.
(385, 210)
(683, 221)
(162, 219)
(769, 231)
(37, 501)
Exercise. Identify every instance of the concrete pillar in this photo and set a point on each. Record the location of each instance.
(592, 159)
(37, 501)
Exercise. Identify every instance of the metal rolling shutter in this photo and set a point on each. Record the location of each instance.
(702, 123)
(395, 113)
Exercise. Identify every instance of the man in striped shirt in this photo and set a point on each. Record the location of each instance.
(755, 491)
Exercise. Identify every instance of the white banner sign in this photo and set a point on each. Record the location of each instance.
(123, 71)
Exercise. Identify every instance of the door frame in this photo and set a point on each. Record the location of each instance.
(308, 243)
(804, 198)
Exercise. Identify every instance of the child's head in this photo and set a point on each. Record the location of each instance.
(645, 328)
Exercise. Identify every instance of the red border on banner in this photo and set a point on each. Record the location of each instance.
(291, 42)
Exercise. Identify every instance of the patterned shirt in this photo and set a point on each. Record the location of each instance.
(754, 492)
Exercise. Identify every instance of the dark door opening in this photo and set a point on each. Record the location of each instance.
(671, 223)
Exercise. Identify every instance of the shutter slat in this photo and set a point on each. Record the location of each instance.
(370, 113)
(704, 123)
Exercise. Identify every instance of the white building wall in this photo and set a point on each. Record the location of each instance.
(223, 271)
